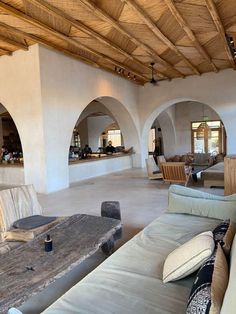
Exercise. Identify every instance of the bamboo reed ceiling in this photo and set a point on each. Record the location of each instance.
(182, 37)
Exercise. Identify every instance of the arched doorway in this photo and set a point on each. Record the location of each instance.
(180, 122)
(11, 158)
(103, 120)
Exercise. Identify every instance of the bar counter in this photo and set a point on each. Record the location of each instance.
(79, 170)
(12, 174)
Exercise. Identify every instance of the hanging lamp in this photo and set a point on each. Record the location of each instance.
(203, 129)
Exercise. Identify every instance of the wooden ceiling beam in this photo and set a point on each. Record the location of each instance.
(220, 28)
(89, 5)
(30, 20)
(156, 31)
(36, 39)
(175, 12)
(13, 42)
(80, 26)
(5, 52)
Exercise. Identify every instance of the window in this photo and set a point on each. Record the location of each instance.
(211, 141)
(151, 140)
(115, 137)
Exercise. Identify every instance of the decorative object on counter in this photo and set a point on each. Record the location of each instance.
(48, 244)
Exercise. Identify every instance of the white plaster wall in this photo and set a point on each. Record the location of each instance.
(20, 94)
(97, 125)
(87, 170)
(214, 89)
(83, 132)
(68, 86)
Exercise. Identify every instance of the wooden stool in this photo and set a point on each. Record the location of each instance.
(111, 209)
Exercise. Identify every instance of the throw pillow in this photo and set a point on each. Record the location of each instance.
(18, 235)
(209, 287)
(188, 257)
(32, 222)
(224, 234)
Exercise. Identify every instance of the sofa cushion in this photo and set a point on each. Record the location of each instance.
(229, 303)
(209, 287)
(224, 235)
(187, 258)
(190, 201)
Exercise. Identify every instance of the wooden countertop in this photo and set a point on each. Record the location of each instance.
(8, 165)
(96, 158)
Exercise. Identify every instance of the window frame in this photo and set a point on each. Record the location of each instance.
(222, 136)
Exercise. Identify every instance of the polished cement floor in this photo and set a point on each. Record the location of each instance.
(141, 201)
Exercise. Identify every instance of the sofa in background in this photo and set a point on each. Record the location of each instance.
(130, 280)
(214, 175)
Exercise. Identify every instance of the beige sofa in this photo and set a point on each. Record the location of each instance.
(214, 175)
(130, 281)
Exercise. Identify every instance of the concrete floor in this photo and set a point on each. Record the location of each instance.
(141, 201)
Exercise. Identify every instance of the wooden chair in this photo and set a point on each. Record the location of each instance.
(152, 170)
(160, 160)
(175, 172)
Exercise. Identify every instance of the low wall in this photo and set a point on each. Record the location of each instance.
(86, 169)
(12, 174)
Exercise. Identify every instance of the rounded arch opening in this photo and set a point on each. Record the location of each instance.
(103, 120)
(178, 133)
(11, 153)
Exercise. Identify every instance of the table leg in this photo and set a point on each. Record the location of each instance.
(108, 247)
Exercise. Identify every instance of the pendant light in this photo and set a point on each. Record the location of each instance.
(203, 129)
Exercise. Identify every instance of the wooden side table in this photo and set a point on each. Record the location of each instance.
(230, 174)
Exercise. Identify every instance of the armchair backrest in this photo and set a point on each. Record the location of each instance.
(17, 203)
(201, 158)
(174, 172)
(160, 160)
(151, 166)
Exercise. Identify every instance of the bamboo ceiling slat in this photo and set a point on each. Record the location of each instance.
(105, 17)
(155, 8)
(53, 32)
(221, 64)
(204, 38)
(36, 12)
(121, 41)
(144, 16)
(172, 28)
(225, 9)
(172, 58)
(141, 32)
(182, 37)
(191, 52)
(74, 32)
(204, 67)
(114, 8)
(197, 17)
(18, 4)
(69, 20)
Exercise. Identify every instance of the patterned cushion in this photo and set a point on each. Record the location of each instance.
(224, 234)
(187, 258)
(209, 287)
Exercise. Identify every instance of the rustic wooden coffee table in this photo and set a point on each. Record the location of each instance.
(28, 269)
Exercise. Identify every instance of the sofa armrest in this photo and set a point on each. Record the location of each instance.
(193, 202)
